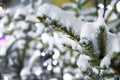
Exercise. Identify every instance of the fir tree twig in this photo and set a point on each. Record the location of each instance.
(58, 25)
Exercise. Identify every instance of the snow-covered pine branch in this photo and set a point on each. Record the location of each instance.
(92, 36)
(61, 19)
(53, 15)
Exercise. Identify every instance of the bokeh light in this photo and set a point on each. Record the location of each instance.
(43, 54)
(55, 62)
(45, 64)
(101, 6)
(1, 8)
(49, 67)
(38, 72)
(118, 6)
(5, 77)
(56, 54)
(109, 7)
(45, 37)
(37, 24)
(67, 76)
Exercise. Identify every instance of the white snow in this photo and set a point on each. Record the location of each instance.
(113, 2)
(1, 25)
(23, 10)
(82, 62)
(22, 25)
(33, 58)
(31, 18)
(24, 73)
(57, 42)
(40, 28)
(12, 25)
(56, 69)
(20, 44)
(106, 61)
(37, 70)
(113, 41)
(67, 76)
(69, 42)
(112, 47)
(2, 50)
(4, 20)
(6, 77)
(112, 25)
(63, 17)
(32, 34)
(45, 37)
(18, 34)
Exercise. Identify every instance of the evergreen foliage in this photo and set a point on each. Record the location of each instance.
(44, 42)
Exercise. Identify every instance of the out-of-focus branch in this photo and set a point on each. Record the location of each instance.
(105, 4)
(3, 3)
(96, 4)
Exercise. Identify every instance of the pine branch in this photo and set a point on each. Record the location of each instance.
(111, 11)
(107, 74)
(88, 47)
(9, 49)
(94, 62)
(60, 19)
(58, 25)
(92, 75)
(115, 62)
(102, 39)
(96, 4)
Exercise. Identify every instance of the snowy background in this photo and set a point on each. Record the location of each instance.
(40, 40)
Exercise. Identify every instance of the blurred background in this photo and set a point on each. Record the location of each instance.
(30, 50)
